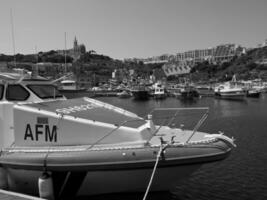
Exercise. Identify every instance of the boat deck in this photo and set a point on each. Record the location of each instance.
(92, 110)
(7, 195)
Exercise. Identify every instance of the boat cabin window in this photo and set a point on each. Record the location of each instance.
(1, 91)
(45, 91)
(16, 92)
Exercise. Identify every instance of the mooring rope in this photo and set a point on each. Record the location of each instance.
(153, 172)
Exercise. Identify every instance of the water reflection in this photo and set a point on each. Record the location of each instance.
(243, 175)
(133, 196)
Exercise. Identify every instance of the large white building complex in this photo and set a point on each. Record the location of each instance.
(218, 54)
(183, 62)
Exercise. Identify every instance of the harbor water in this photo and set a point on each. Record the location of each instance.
(243, 175)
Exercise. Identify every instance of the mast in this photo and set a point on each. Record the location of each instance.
(34, 75)
(36, 53)
(65, 57)
(13, 38)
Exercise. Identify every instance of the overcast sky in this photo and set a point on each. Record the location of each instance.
(131, 28)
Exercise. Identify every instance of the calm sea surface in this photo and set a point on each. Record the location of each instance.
(243, 175)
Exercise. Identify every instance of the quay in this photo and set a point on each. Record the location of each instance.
(7, 195)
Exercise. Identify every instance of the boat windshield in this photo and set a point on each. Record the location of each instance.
(45, 91)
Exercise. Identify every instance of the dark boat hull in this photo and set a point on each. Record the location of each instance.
(189, 94)
(253, 94)
(103, 182)
(140, 95)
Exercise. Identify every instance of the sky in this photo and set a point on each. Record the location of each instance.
(131, 28)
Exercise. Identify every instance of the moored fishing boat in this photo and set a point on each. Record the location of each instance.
(188, 92)
(158, 91)
(253, 93)
(93, 147)
(140, 92)
(205, 90)
(124, 94)
(69, 87)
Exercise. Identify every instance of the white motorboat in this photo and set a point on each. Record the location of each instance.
(230, 90)
(69, 85)
(87, 147)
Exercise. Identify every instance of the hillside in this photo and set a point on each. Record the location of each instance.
(248, 66)
(89, 64)
(50, 56)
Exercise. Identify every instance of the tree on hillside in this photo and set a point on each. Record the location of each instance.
(92, 52)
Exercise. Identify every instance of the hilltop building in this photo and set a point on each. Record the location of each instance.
(76, 51)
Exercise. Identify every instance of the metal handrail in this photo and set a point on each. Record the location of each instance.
(197, 126)
(200, 122)
(112, 131)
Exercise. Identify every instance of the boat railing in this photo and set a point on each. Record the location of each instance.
(112, 131)
(170, 119)
(111, 107)
(169, 123)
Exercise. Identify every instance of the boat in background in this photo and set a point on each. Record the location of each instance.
(253, 93)
(70, 89)
(186, 92)
(71, 86)
(140, 92)
(205, 90)
(85, 144)
(158, 91)
(124, 94)
(259, 85)
(251, 89)
(231, 90)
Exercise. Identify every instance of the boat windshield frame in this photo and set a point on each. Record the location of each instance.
(53, 95)
(19, 96)
(2, 89)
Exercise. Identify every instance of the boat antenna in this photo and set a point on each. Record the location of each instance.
(13, 38)
(65, 53)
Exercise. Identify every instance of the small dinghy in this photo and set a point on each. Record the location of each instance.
(81, 147)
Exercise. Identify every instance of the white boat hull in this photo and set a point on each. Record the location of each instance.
(237, 95)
